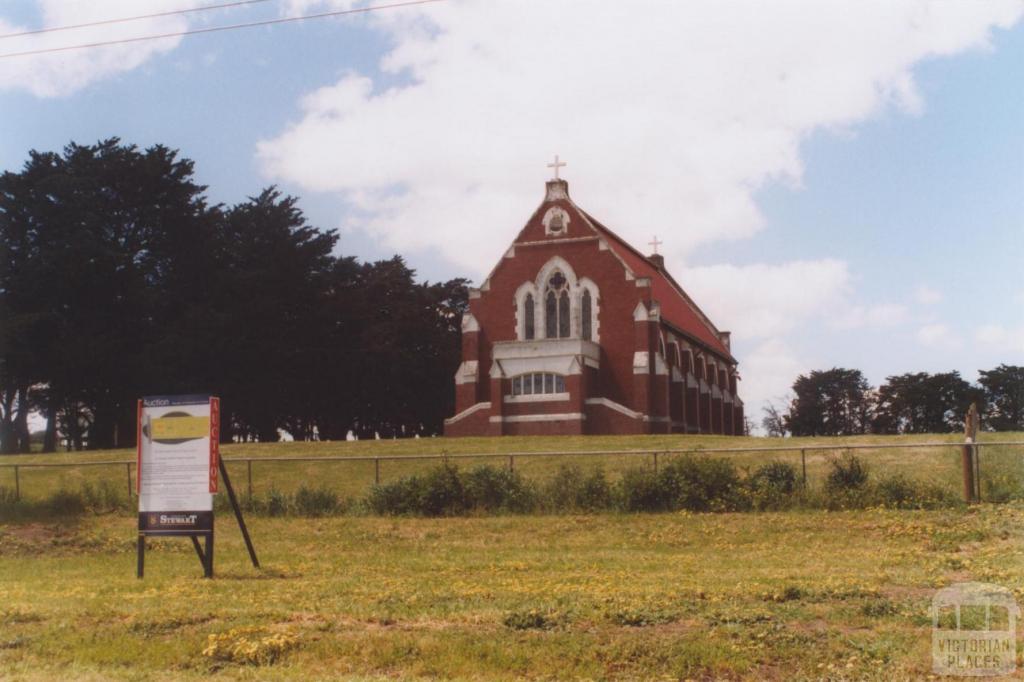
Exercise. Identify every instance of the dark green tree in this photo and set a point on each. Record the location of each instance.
(923, 403)
(1004, 392)
(834, 402)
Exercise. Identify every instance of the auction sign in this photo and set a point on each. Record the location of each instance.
(177, 455)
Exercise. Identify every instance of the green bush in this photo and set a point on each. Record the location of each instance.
(278, 503)
(847, 473)
(440, 492)
(66, 502)
(573, 490)
(641, 490)
(703, 484)
(773, 486)
(104, 497)
(492, 489)
(316, 502)
(899, 492)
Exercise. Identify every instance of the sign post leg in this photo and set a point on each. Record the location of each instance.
(238, 513)
(141, 565)
(208, 564)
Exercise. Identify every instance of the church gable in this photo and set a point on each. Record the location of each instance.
(575, 332)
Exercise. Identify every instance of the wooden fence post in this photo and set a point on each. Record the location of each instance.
(511, 463)
(17, 485)
(249, 473)
(967, 455)
(376, 470)
(803, 463)
(128, 468)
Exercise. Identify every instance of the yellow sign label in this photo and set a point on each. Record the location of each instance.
(174, 428)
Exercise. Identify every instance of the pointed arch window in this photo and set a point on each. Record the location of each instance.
(587, 324)
(556, 307)
(528, 322)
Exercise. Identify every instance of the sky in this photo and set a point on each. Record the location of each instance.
(836, 183)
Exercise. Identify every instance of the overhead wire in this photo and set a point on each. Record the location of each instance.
(139, 17)
(215, 29)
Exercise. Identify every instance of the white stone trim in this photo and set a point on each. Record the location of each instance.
(469, 323)
(549, 215)
(660, 366)
(612, 405)
(537, 398)
(587, 284)
(641, 362)
(564, 416)
(640, 312)
(643, 282)
(656, 420)
(563, 240)
(472, 409)
(519, 301)
(467, 373)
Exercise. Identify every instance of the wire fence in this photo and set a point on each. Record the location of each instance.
(998, 466)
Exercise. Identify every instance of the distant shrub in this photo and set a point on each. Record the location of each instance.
(899, 492)
(315, 502)
(1001, 486)
(773, 486)
(278, 503)
(103, 497)
(703, 484)
(491, 489)
(66, 502)
(641, 490)
(847, 473)
(573, 490)
(441, 492)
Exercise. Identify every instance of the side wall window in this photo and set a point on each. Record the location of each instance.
(585, 316)
(528, 314)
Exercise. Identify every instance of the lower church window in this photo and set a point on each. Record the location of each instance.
(538, 383)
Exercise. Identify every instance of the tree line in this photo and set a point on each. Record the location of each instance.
(840, 402)
(119, 279)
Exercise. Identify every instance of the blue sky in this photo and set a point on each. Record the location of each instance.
(836, 192)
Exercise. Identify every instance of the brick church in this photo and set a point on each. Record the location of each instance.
(575, 331)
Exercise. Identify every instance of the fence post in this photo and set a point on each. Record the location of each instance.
(511, 463)
(803, 464)
(248, 466)
(655, 462)
(17, 485)
(376, 470)
(967, 453)
(128, 468)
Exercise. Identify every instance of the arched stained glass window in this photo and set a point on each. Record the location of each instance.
(528, 317)
(585, 312)
(563, 315)
(551, 316)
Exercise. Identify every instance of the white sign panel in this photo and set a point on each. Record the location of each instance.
(177, 462)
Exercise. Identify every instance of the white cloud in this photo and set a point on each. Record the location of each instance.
(926, 295)
(63, 73)
(1001, 338)
(876, 316)
(670, 114)
(760, 301)
(939, 335)
(767, 373)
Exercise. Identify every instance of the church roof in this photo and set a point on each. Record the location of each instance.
(677, 308)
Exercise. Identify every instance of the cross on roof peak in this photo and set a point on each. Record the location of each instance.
(655, 243)
(556, 165)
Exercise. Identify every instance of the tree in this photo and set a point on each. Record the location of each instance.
(923, 403)
(833, 402)
(1004, 392)
(773, 422)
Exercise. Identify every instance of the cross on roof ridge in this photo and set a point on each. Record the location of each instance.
(556, 165)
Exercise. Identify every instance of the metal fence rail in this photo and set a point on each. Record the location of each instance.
(511, 457)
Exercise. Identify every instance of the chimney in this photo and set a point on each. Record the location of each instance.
(658, 261)
(557, 189)
(726, 338)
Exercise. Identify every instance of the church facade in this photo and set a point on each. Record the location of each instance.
(576, 332)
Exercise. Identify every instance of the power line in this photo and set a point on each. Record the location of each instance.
(105, 22)
(214, 29)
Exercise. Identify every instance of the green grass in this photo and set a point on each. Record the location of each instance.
(772, 596)
(1001, 464)
(800, 595)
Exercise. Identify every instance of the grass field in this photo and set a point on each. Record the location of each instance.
(809, 595)
(353, 479)
(755, 596)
